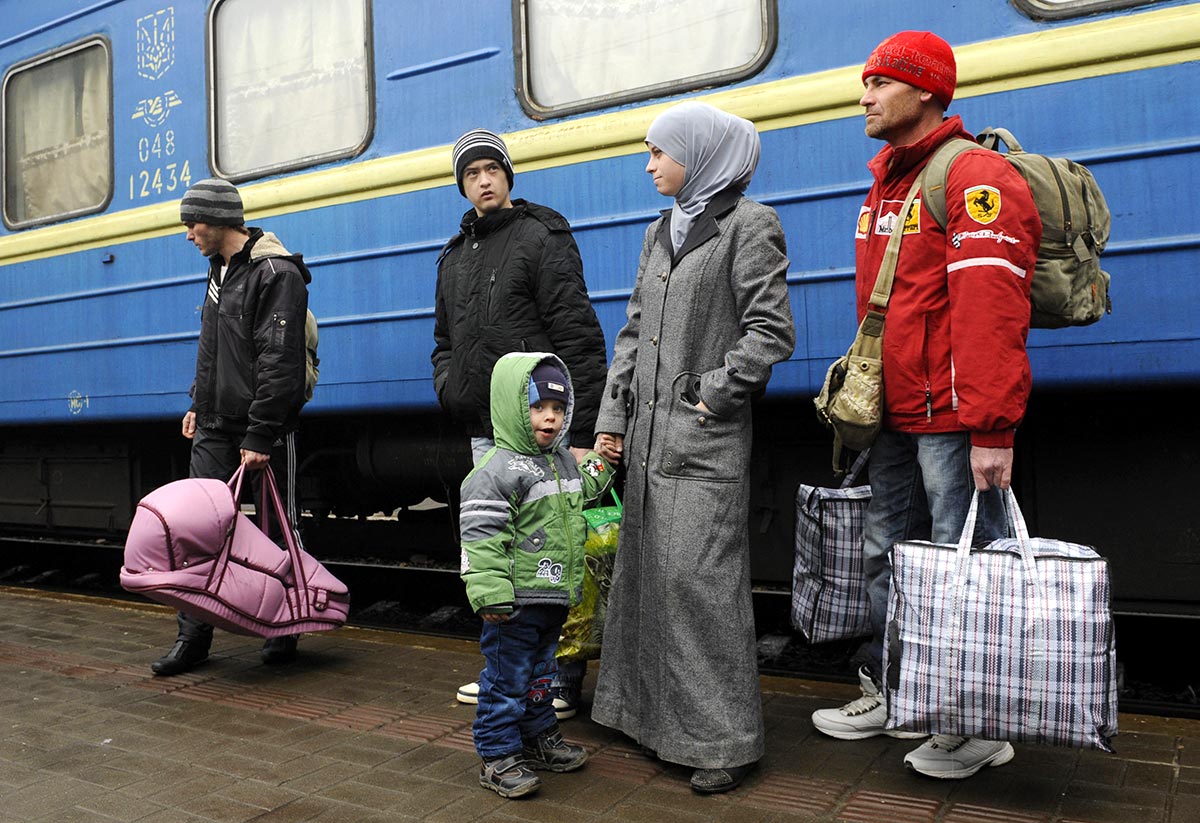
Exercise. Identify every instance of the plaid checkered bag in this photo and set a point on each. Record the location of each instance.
(1013, 641)
(829, 593)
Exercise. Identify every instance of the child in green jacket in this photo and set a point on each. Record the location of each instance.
(522, 532)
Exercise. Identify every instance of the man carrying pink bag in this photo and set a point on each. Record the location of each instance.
(249, 385)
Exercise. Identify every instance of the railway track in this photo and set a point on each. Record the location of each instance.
(429, 599)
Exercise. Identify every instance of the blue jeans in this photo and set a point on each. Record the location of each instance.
(515, 700)
(921, 486)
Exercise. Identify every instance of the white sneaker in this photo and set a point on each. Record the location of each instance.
(949, 757)
(860, 718)
(468, 693)
(564, 709)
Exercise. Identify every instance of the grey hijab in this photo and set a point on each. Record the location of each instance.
(716, 149)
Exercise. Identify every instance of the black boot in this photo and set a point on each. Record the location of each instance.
(183, 656)
(715, 781)
(508, 776)
(550, 752)
(280, 649)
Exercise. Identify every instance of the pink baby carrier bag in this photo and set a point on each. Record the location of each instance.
(190, 547)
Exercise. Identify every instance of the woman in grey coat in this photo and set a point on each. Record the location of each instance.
(708, 318)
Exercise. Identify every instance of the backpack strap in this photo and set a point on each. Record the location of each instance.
(938, 169)
(872, 323)
(882, 291)
(993, 136)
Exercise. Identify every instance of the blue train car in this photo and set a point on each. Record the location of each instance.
(335, 118)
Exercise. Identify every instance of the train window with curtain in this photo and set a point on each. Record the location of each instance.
(58, 135)
(1058, 9)
(290, 83)
(574, 55)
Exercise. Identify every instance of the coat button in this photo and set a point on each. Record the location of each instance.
(643, 464)
(702, 420)
(474, 245)
(654, 340)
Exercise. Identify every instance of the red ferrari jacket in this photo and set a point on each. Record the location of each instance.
(954, 339)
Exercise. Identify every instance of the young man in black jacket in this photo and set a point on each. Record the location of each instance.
(250, 370)
(512, 280)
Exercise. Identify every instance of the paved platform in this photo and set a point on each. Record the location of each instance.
(363, 728)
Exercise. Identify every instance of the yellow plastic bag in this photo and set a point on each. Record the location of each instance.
(584, 629)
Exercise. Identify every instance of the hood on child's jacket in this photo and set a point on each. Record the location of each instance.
(510, 402)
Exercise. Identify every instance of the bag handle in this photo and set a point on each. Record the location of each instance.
(859, 462)
(1016, 520)
(617, 500)
(270, 498)
(1034, 612)
(289, 537)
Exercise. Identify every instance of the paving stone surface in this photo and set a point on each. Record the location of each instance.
(363, 727)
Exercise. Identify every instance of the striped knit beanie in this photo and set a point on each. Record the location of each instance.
(479, 143)
(919, 58)
(215, 202)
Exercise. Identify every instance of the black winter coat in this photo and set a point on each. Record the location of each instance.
(511, 281)
(250, 361)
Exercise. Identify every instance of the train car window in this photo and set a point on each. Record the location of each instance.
(574, 55)
(1059, 9)
(290, 83)
(58, 135)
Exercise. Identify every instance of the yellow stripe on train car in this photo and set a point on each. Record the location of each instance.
(1119, 44)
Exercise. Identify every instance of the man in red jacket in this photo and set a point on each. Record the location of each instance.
(956, 374)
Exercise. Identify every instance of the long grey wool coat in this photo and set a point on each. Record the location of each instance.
(678, 669)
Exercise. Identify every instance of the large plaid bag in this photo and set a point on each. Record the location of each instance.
(829, 592)
(1013, 641)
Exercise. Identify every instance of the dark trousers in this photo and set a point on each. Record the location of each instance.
(515, 698)
(216, 455)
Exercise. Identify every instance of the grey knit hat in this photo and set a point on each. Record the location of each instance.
(479, 143)
(212, 201)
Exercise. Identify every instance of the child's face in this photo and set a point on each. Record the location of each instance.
(547, 419)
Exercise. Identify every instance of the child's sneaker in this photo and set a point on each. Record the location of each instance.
(550, 752)
(566, 702)
(567, 688)
(508, 776)
(468, 693)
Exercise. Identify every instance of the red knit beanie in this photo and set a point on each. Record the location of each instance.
(919, 58)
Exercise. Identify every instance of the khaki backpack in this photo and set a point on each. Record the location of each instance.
(312, 363)
(1068, 288)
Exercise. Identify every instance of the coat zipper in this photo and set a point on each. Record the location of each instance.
(928, 386)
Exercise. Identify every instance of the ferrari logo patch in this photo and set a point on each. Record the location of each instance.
(983, 203)
(912, 221)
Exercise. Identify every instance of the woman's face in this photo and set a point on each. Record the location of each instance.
(668, 175)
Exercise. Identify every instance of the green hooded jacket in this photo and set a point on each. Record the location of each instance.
(521, 522)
